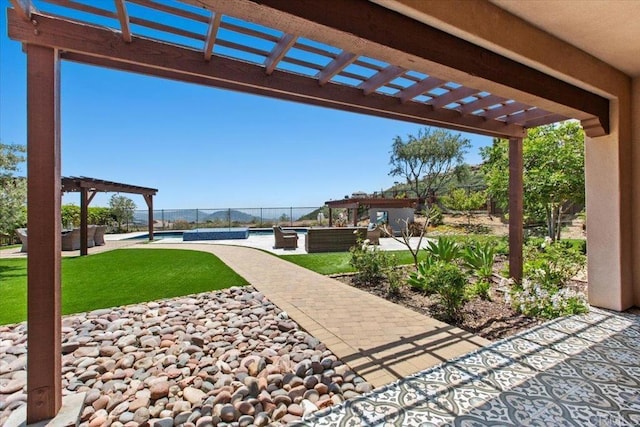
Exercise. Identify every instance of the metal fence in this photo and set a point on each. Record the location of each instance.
(185, 219)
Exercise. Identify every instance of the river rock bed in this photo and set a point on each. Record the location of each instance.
(226, 358)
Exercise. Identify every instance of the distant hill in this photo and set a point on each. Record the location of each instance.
(191, 215)
(234, 215)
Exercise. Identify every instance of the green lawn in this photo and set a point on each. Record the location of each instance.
(119, 277)
(338, 262)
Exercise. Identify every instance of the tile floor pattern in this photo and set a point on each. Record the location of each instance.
(575, 371)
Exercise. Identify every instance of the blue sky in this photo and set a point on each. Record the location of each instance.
(203, 147)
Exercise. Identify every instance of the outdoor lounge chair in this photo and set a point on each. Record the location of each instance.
(22, 234)
(98, 238)
(285, 239)
(91, 232)
(71, 240)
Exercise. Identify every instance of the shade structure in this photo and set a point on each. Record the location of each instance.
(89, 187)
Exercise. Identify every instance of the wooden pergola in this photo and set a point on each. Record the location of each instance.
(351, 55)
(89, 187)
(354, 203)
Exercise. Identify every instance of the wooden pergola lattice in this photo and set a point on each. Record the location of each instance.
(350, 55)
(89, 187)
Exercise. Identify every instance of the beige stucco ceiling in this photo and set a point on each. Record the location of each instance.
(607, 29)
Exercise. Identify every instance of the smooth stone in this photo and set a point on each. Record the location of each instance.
(194, 395)
(295, 409)
(245, 420)
(126, 417)
(245, 408)
(182, 417)
(261, 419)
(100, 403)
(279, 412)
(228, 413)
(363, 388)
(13, 386)
(159, 389)
(141, 415)
(206, 421)
(308, 408)
(163, 422)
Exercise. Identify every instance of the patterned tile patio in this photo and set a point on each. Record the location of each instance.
(576, 371)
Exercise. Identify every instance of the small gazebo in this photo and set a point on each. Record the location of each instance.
(89, 187)
(353, 204)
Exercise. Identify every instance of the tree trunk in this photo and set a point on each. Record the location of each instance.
(550, 230)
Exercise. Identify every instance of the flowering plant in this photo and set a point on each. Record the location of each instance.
(537, 300)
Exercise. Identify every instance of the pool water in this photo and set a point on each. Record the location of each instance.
(159, 235)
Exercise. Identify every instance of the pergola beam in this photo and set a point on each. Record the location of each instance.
(400, 40)
(99, 46)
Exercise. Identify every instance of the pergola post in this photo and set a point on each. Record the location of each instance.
(84, 213)
(516, 218)
(149, 199)
(330, 217)
(44, 368)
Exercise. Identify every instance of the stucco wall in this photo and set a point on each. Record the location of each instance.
(635, 141)
(396, 217)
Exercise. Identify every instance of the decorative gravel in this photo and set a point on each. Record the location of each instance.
(222, 358)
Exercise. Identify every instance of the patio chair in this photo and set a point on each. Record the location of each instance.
(22, 234)
(373, 234)
(285, 239)
(98, 238)
(91, 232)
(71, 240)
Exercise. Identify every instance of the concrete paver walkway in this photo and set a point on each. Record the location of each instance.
(380, 340)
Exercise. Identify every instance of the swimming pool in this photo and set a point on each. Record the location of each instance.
(178, 234)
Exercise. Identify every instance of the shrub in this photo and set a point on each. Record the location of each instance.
(537, 300)
(394, 278)
(417, 279)
(479, 259)
(372, 264)
(480, 289)
(443, 249)
(552, 264)
(444, 279)
(435, 216)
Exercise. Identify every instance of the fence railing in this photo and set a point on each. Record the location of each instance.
(184, 219)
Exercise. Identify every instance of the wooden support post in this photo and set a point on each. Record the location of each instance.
(149, 199)
(516, 218)
(330, 217)
(44, 368)
(84, 221)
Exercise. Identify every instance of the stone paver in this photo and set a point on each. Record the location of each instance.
(380, 340)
